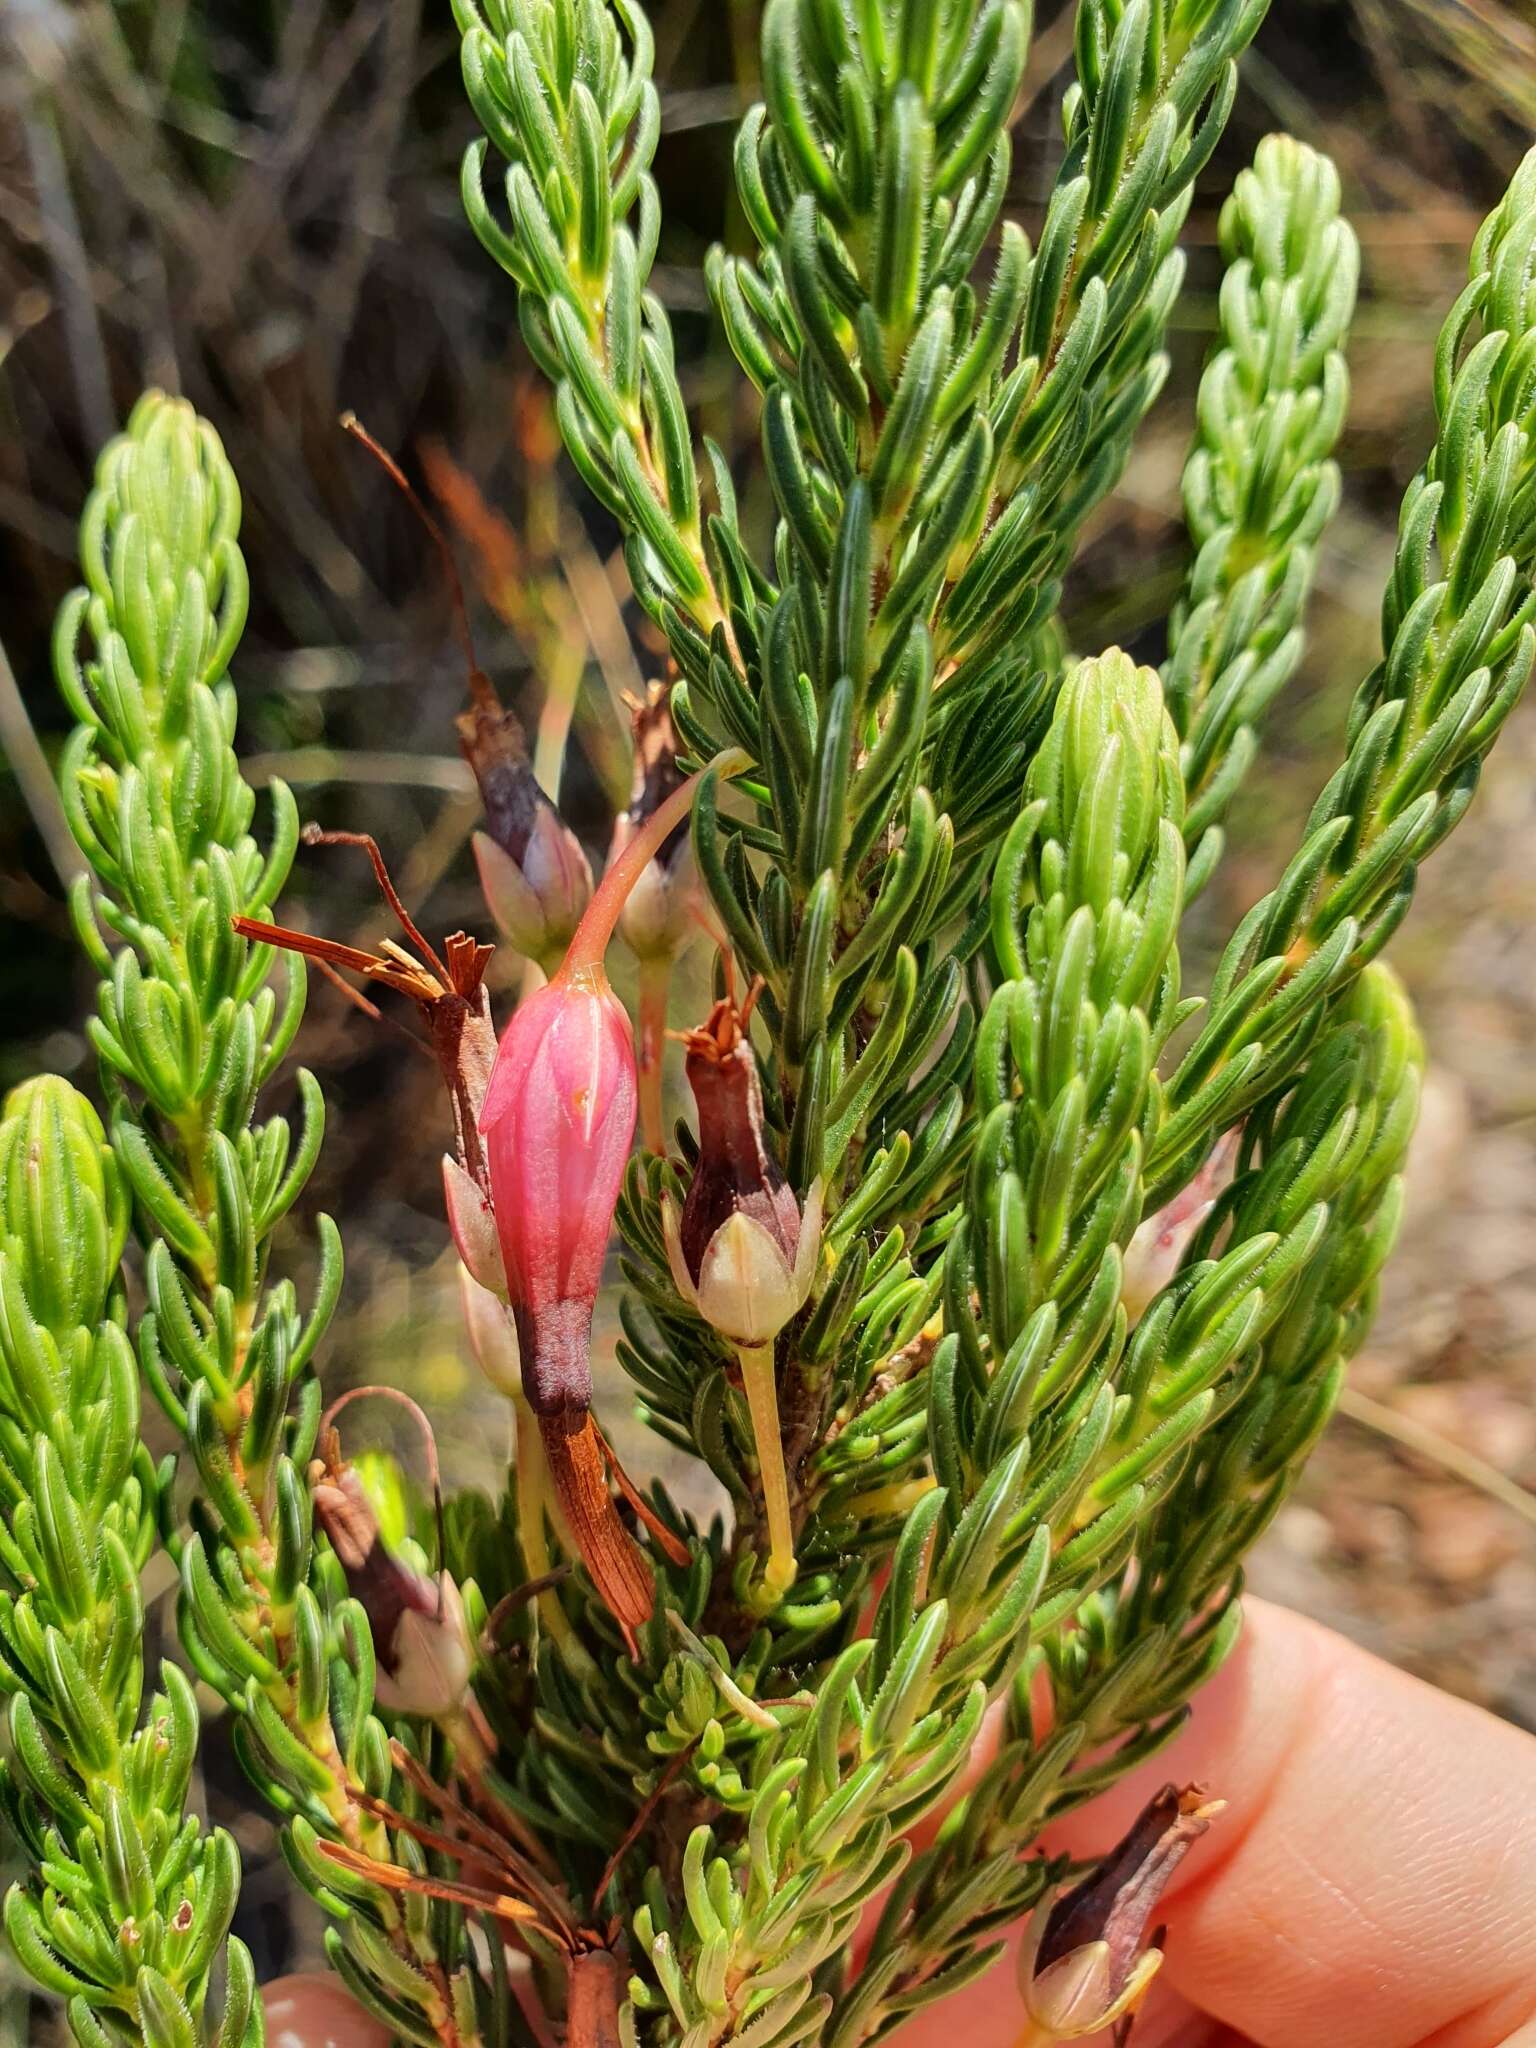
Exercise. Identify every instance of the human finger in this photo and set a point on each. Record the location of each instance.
(1372, 1883)
(310, 2010)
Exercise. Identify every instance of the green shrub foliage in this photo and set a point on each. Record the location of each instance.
(1091, 1255)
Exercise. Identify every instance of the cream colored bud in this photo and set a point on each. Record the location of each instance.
(1072, 1996)
(746, 1289)
(661, 916)
(1087, 1960)
(646, 921)
(430, 1658)
(492, 1336)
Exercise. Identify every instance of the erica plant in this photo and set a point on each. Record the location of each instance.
(1001, 1285)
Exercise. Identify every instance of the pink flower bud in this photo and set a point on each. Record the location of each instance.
(536, 878)
(558, 1121)
(1157, 1250)
(430, 1656)
(537, 900)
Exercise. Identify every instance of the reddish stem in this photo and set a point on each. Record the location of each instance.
(590, 941)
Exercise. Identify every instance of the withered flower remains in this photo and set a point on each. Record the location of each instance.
(1087, 1961)
(419, 1635)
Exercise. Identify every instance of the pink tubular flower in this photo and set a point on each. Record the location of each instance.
(558, 1121)
(557, 1124)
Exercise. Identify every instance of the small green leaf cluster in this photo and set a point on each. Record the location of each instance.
(1459, 630)
(1176, 1449)
(1260, 485)
(576, 117)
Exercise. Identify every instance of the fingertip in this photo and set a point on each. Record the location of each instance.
(1373, 1881)
(1371, 1884)
(312, 2010)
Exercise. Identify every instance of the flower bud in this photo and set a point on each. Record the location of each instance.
(420, 1639)
(491, 1335)
(537, 900)
(558, 1120)
(742, 1253)
(1087, 1959)
(431, 1658)
(660, 912)
(536, 878)
(1157, 1250)
(1072, 1997)
(473, 1224)
(661, 915)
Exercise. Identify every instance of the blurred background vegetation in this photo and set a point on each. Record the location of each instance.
(256, 202)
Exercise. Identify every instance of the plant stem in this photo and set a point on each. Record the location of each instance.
(1455, 1458)
(591, 938)
(536, 1496)
(554, 727)
(757, 1373)
(34, 778)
